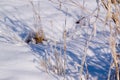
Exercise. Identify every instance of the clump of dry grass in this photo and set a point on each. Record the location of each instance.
(53, 63)
(35, 37)
(114, 30)
(58, 63)
(39, 37)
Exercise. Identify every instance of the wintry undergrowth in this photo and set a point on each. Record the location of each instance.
(71, 40)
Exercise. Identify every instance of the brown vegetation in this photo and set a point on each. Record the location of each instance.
(39, 37)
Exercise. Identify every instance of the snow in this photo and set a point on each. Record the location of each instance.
(16, 63)
(21, 61)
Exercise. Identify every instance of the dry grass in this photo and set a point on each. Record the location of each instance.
(114, 27)
(114, 30)
(38, 34)
(39, 37)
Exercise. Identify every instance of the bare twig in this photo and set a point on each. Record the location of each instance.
(85, 55)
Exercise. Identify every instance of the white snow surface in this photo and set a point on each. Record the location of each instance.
(17, 63)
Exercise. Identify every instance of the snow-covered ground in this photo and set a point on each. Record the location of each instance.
(17, 63)
(21, 61)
